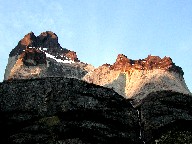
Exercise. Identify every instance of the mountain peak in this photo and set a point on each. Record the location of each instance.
(49, 33)
(42, 56)
(151, 62)
(29, 40)
(137, 78)
(46, 40)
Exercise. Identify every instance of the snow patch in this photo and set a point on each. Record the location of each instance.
(58, 60)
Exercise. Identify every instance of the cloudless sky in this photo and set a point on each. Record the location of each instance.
(99, 30)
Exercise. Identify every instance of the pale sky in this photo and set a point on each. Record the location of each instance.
(99, 30)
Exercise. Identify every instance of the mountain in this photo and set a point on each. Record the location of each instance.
(42, 56)
(136, 79)
(50, 96)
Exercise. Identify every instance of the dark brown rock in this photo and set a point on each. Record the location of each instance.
(71, 55)
(29, 40)
(33, 57)
(122, 63)
(151, 62)
(164, 112)
(47, 40)
(64, 110)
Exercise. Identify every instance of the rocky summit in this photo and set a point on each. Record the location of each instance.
(49, 96)
(42, 56)
(137, 78)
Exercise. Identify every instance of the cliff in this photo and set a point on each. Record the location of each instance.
(136, 79)
(42, 56)
(50, 96)
(67, 110)
(64, 110)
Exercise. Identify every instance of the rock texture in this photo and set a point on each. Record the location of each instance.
(146, 100)
(42, 56)
(33, 57)
(130, 78)
(137, 78)
(47, 40)
(166, 117)
(67, 110)
(64, 110)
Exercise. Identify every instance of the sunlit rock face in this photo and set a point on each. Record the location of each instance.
(136, 79)
(44, 98)
(42, 56)
(31, 62)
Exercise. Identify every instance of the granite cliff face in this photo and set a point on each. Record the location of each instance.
(50, 96)
(42, 56)
(137, 78)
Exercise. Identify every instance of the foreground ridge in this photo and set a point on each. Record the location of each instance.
(68, 110)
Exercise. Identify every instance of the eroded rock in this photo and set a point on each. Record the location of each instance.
(164, 115)
(141, 77)
(64, 110)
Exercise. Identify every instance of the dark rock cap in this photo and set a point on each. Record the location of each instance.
(47, 40)
(33, 57)
(29, 40)
(151, 62)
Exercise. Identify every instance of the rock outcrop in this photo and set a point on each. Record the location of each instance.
(166, 117)
(33, 57)
(130, 78)
(137, 78)
(67, 110)
(46, 40)
(42, 56)
(64, 110)
(49, 96)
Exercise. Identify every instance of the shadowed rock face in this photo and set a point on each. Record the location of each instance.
(64, 110)
(33, 57)
(164, 115)
(48, 40)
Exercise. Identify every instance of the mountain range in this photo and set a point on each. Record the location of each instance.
(129, 101)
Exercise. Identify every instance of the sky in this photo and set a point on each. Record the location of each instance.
(99, 30)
